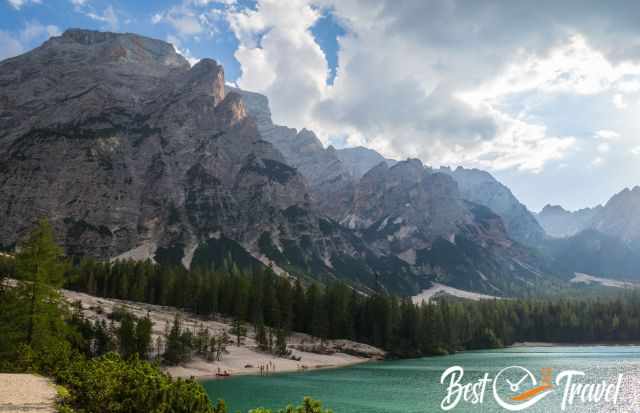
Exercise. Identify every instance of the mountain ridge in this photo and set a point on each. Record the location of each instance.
(132, 153)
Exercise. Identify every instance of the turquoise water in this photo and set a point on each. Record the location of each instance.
(409, 386)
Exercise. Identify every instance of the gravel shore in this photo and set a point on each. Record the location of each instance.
(26, 393)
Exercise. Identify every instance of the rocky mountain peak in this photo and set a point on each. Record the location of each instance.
(359, 160)
(560, 223)
(87, 37)
(620, 216)
(119, 47)
(552, 209)
(409, 171)
(207, 76)
(232, 109)
(482, 188)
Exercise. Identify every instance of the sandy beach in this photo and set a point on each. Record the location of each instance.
(243, 359)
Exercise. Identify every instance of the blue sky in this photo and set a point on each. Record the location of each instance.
(543, 95)
(137, 17)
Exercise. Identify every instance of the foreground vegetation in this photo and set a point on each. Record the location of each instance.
(41, 334)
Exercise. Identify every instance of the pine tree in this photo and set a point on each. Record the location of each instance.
(127, 336)
(143, 338)
(238, 330)
(261, 337)
(299, 308)
(221, 345)
(35, 309)
(175, 351)
(281, 343)
(104, 342)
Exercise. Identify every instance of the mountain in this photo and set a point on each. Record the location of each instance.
(360, 160)
(418, 216)
(558, 222)
(482, 188)
(128, 149)
(132, 153)
(603, 241)
(422, 217)
(329, 179)
(620, 216)
(334, 174)
(594, 253)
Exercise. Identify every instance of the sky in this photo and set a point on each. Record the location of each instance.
(545, 95)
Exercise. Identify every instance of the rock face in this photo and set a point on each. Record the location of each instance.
(329, 178)
(121, 144)
(130, 152)
(603, 241)
(620, 217)
(482, 188)
(334, 174)
(360, 160)
(595, 253)
(558, 222)
(422, 218)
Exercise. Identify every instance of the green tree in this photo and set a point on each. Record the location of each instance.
(127, 335)
(41, 265)
(238, 330)
(144, 327)
(281, 343)
(177, 349)
(261, 337)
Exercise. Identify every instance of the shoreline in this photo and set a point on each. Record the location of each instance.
(249, 372)
(202, 370)
(246, 359)
(529, 344)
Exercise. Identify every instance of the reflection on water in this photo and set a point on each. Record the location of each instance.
(409, 386)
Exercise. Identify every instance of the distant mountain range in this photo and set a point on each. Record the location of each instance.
(132, 153)
(560, 223)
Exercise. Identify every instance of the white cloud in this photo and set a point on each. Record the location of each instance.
(387, 94)
(597, 161)
(185, 24)
(449, 82)
(607, 135)
(603, 147)
(636, 151)
(191, 18)
(34, 30)
(31, 34)
(619, 102)
(9, 45)
(279, 57)
(573, 67)
(79, 2)
(185, 52)
(17, 4)
(108, 16)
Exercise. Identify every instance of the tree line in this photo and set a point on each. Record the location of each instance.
(333, 311)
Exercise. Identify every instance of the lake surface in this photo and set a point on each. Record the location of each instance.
(409, 386)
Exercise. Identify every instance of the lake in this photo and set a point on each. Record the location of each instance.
(408, 386)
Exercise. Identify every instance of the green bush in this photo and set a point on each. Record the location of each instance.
(110, 384)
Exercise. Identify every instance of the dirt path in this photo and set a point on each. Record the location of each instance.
(26, 393)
